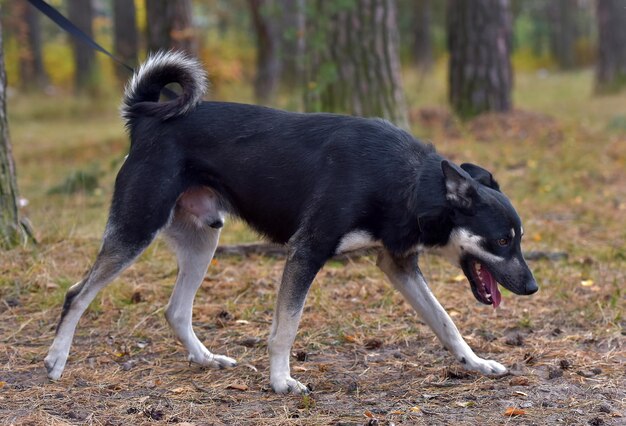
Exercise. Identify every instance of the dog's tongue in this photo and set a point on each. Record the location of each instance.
(492, 286)
(495, 293)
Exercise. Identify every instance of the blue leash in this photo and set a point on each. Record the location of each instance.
(72, 29)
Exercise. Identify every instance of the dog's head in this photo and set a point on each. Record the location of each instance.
(486, 235)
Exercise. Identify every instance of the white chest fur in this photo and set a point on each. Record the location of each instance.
(356, 240)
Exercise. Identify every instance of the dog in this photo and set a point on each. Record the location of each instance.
(322, 184)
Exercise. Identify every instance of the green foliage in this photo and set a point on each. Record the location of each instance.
(525, 59)
(78, 180)
(617, 123)
(612, 87)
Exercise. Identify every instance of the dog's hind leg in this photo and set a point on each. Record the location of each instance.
(142, 204)
(406, 277)
(195, 245)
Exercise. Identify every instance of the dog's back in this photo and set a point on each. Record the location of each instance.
(272, 168)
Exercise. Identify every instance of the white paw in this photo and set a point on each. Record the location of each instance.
(55, 364)
(208, 359)
(288, 385)
(485, 366)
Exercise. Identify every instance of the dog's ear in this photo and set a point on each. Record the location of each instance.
(460, 188)
(481, 175)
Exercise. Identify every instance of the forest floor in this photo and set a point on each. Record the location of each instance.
(368, 358)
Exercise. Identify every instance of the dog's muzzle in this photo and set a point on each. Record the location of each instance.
(531, 287)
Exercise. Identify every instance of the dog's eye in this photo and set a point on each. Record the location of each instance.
(503, 242)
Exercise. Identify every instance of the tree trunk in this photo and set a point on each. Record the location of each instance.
(125, 38)
(611, 65)
(268, 63)
(28, 34)
(352, 61)
(170, 26)
(10, 230)
(292, 21)
(81, 13)
(423, 41)
(479, 41)
(563, 32)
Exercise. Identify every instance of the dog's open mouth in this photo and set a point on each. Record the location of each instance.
(484, 285)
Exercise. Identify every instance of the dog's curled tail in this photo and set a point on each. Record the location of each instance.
(141, 96)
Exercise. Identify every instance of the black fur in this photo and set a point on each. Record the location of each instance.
(280, 171)
(69, 298)
(308, 179)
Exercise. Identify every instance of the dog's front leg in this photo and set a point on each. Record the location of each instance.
(404, 274)
(298, 275)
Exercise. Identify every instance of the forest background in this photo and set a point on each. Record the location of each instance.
(547, 114)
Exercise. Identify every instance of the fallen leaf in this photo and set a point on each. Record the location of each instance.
(322, 368)
(519, 381)
(511, 411)
(415, 409)
(396, 412)
(586, 283)
(349, 338)
(239, 386)
(299, 368)
(368, 414)
(458, 278)
(465, 404)
(2, 384)
(178, 390)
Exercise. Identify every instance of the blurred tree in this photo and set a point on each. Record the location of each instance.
(268, 61)
(563, 31)
(559, 32)
(170, 26)
(352, 59)
(422, 33)
(81, 13)
(291, 22)
(28, 35)
(125, 38)
(10, 227)
(611, 65)
(479, 40)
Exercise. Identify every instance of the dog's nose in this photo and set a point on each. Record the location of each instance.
(531, 287)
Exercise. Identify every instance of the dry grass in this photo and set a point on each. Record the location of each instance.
(366, 354)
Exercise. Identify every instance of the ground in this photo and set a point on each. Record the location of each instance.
(368, 358)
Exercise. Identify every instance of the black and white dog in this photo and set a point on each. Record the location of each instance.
(321, 183)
